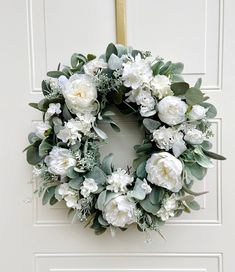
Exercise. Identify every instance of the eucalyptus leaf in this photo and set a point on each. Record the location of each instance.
(140, 171)
(75, 183)
(44, 148)
(90, 57)
(198, 83)
(151, 124)
(156, 67)
(179, 88)
(165, 68)
(149, 207)
(177, 68)
(197, 171)
(206, 145)
(66, 113)
(32, 155)
(71, 173)
(156, 196)
(111, 49)
(194, 96)
(211, 112)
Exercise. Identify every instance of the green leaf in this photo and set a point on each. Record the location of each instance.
(143, 148)
(44, 103)
(194, 96)
(156, 196)
(138, 192)
(76, 182)
(137, 161)
(165, 68)
(206, 145)
(100, 133)
(211, 112)
(115, 127)
(34, 105)
(111, 49)
(44, 148)
(101, 200)
(56, 74)
(177, 68)
(102, 221)
(117, 97)
(149, 207)
(32, 155)
(66, 113)
(76, 59)
(187, 190)
(71, 173)
(106, 165)
(48, 194)
(90, 57)
(140, 171)
(213, 155)
(156, 67)
(135, 52)
(197, 171)
(53, 200)
(98, 175)
(198, 83)
(179, 88)
(151, 124)
(193, 205)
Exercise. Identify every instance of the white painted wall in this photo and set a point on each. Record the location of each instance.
(35, 36)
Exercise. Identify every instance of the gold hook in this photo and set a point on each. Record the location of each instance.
(120, 8)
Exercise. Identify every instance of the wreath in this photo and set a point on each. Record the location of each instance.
(175, 151)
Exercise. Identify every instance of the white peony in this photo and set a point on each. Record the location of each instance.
(120, 212)
(169, 205)
(54, 108)
(194, 136)
(165, 171)
(118, 181)
(91, 68)
(40, 129)
(171, 110)
(160, 86)
(59, 160)
(169, 138)
(88, 186)
(197, 113)
(63, 189)
(79, 92)
(136, 72)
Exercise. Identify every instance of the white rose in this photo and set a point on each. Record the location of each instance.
(194, 136)
(171, 110)
(59, 160)
(118, 181)
(136, 72)
(40, 129)
(79, 92)
(120, 212)
(197, 113)
(72, 201)
(160, 86)
(165, 171)
(88, 186)
(92, 67)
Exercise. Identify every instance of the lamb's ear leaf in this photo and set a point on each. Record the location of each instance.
(198, 83)
(213, 155)
(48, 194)
(106, 165)
(151, 124)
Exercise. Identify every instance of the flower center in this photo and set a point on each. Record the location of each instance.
(79, 93)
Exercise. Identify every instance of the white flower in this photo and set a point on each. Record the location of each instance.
(160, 86)
(64, 189)
(74, 127)
(136, 72)
(120, 212)
(79, 92)
(72, 201)
(194, 136)
(88, 186)
(171, 110)
(169, 205)
(40, 129)
(54, 108)
(165, 171)
(167, 138)
(144, 99)
(147, 188)
(92, 67)
(59, 160)
(197, 113)
(118, 181)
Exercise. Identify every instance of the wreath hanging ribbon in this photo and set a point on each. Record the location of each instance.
(175, 151)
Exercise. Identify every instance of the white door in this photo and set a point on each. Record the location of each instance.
(35, 36)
